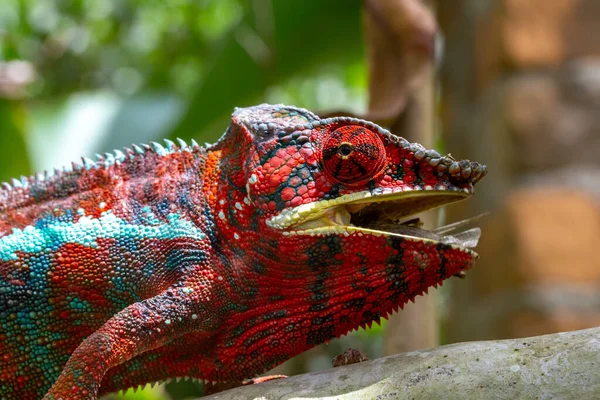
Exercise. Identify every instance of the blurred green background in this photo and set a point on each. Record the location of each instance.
(79, 77)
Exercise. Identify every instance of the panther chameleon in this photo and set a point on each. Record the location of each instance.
(217, 262)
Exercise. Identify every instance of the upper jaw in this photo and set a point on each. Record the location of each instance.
(384, 213)
(411, 201)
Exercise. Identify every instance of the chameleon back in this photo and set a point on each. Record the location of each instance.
(77, 248)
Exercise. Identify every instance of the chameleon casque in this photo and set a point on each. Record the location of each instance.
(217, 262)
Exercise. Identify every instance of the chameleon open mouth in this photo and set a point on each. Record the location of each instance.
(389, 214)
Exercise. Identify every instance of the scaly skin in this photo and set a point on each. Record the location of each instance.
(215, 263)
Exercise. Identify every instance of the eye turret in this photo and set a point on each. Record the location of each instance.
(353, 154)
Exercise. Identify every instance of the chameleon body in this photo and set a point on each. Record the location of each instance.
(215, 262)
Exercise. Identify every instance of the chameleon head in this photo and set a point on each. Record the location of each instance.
(335, 201)
(343, 176)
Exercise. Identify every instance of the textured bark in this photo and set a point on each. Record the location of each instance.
(558, 366)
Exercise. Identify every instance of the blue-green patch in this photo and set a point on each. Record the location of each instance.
(52, 234)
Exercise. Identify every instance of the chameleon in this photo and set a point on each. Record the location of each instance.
(217, 262)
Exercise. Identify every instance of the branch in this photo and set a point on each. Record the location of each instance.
(563, 365)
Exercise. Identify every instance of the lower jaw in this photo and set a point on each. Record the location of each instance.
(348, 231)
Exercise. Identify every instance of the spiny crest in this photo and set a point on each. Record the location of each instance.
(102, 161)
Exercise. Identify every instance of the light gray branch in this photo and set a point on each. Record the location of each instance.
(558, 366)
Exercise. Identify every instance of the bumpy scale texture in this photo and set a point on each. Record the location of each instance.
(178, 260)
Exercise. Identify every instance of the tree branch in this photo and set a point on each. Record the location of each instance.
(563, 365)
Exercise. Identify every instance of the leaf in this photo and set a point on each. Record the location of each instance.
(13, 151)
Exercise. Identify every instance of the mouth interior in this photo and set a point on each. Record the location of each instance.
(392, 213)
(395, 217)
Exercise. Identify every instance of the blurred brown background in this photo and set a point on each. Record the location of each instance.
(521, 91)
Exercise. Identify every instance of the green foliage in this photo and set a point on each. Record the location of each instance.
(269, 46)
(126, 46)
(13, 152)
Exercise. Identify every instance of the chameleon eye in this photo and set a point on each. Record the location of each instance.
(353, 154)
